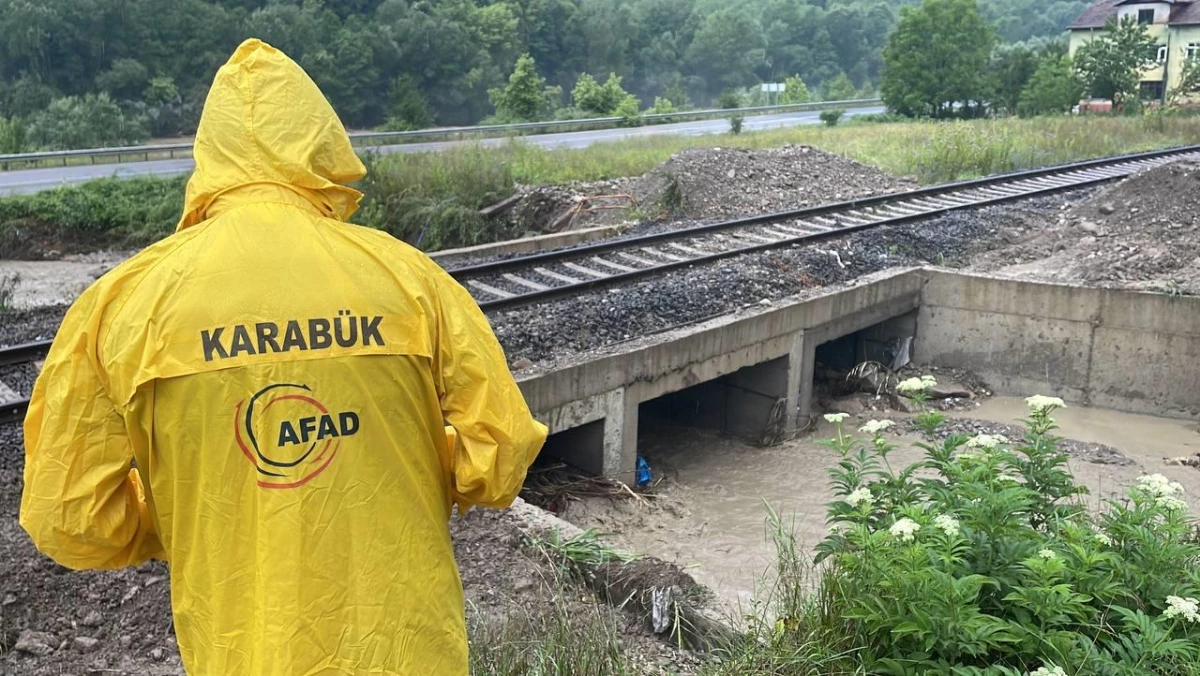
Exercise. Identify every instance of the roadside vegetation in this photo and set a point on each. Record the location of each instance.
(432, 200)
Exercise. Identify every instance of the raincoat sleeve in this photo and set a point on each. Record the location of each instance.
(497, 436)
(83, 503)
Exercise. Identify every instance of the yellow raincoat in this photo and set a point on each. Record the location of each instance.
(282, 380)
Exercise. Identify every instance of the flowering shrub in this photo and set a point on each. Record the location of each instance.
(980, 560)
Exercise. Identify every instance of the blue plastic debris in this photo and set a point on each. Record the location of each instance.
(644, 476)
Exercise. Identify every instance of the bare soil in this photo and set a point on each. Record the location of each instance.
(1142, 233)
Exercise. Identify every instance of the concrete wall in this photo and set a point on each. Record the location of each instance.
(762, 360)
(1123, 350)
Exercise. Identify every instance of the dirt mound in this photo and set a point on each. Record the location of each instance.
(720, 183)
(1141, 233)
(704, 184)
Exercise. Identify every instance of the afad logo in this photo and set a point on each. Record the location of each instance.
(289, 435)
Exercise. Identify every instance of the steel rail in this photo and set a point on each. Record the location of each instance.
(14, 410)
(495, 286)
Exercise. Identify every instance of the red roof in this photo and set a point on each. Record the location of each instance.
(1182, 13)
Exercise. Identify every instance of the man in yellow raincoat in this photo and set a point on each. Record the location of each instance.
(282, 381)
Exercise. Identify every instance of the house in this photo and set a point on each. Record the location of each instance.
(1174, 23)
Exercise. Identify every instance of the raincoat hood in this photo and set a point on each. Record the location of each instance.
(267, 130)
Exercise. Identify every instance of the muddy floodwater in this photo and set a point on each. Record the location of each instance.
(711, 518)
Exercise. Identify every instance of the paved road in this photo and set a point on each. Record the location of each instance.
(35, 180)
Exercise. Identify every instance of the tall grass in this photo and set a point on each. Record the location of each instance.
(560, 641)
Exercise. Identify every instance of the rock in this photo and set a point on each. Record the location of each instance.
(1107, 209)
(907, 405)
(9, 599)
(37, 643)
(126, 640)
(158, 654)
(522, 364)
(946, 389)
(847, 405)
(1088, 226)
(85, 644)
(92, 619)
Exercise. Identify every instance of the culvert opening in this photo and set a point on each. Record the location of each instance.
(749, 404)
(861, 362)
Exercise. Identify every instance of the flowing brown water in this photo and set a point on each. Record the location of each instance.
(712, 521)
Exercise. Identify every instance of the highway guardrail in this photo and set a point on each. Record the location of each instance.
(382, 138)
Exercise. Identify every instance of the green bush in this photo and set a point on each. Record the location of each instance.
(131, 212)
(91, 121)
(832, 116)
(735, 124)
(981, 560)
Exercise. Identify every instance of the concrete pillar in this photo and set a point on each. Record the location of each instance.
(808, 366)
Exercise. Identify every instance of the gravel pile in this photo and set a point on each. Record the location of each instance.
(1141, 233)
(723, 183)
(706, 184)
(550, 331)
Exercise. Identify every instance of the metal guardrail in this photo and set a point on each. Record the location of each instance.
(381, 138)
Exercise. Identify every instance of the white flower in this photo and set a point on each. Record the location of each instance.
(875, 426)
(1170, 504)
(916, 385)
(947, 523)
(1159, 486)
(905, 529)
(1189, 608)
(1039, 404)
(988, 441)
(1103, 539)
(1047, 554)
(1048, 671)
(836, 418)
(859, 496)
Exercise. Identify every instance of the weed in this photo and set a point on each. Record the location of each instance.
(8, 289)
(735, 124)
(832, 116)
(580, 553)
(577, 639)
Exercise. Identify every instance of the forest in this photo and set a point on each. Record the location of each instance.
(143, 66)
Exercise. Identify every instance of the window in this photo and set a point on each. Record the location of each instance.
(1193, 51)
(1151, 91)
(1145, 16)
(1162, 54)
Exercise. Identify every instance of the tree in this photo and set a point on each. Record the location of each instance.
(524, 98)
(1111, 65)
(602, 100)
(794, 91)
(840, 88)
(1053, 88)
(936, 60)
(90, 121)
(1189, 82)
(407, 109)
(727, 50)
(125, 79)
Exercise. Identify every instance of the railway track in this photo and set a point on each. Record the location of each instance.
(14, 402)
(536, 278)
(540, 277)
